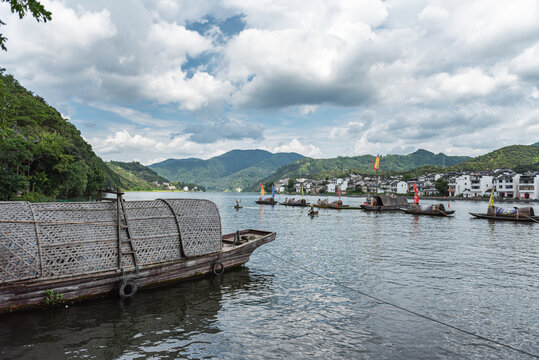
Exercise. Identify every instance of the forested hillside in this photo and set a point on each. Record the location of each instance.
(135, 176)
(236, 168)
(42, 155)
(327, 168)
(517, 157)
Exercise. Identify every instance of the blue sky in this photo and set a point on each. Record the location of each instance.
(150, 80)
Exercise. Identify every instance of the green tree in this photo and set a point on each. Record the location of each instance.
(14, 163)
(22, 7)
(442, 186)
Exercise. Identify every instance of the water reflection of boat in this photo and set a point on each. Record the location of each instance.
(513, 214)
(105, 329)
(386, 203)
(432, 210)
(74, 251)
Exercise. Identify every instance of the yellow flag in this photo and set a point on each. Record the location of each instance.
(491, 201)
(376, 163)
(302, 196)
(262, 190)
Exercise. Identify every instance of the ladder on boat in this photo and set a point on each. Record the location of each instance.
(123, 224)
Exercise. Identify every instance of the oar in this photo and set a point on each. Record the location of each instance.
(442, 212)
(529, 217)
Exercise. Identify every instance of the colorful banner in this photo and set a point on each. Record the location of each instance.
(261, 190)
(272, 192)
(377, 163)
(416, 196)
(338, 192)
(302, 196)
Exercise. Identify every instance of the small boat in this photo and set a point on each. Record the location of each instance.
(337, 204)
(386, 203)
(292, 202)
(54, 253)
(312, 212)
(237, 207)
(513, 214)
(267, 201)
(432, 210)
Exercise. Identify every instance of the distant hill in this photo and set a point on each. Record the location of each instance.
(236, 168)
(42, 155)
(536, 144)
(135, 176)
(521, 157)
(322, 168)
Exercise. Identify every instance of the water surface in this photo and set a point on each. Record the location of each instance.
(473, 274)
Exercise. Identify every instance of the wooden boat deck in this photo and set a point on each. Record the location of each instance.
(439, 213)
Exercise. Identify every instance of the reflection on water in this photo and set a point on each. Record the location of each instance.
(478, 275)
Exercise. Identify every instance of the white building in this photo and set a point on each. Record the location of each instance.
(460, 185)
(480, 185)
(528, 187)
(506, 186)
(399, 187)
(330, 188)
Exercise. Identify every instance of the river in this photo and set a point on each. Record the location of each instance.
(309, 294)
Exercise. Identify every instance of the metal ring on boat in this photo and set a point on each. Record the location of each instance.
(128, 288)
(218, 268)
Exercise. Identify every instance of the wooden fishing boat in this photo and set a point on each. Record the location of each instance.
(292, 202)
(66, 252)
(513, 214)
(337, 204)
(386, 203)
(430, 210)
(268, 201)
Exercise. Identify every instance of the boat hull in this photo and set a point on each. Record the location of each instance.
(31, 293)
(383, 208)
(445, 213)
(507, 218)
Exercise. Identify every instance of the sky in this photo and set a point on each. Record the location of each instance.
(150, 80)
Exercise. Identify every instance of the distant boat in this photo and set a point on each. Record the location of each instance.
(292, 202)
(432, 210)
(386, 203)
(267, 201)
(337, 204)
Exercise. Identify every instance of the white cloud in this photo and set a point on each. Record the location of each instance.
(296, 146)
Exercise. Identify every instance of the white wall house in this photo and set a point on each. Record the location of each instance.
(399, 187)
(528, 187)
(330, 188)
(460, 185)
(480, 185)
(507, 186)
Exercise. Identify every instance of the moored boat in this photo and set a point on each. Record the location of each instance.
(432, 210)
(386, 203)
(66, 252)
(266, 201)
(337, 204)
(293, 202)
(513, 214)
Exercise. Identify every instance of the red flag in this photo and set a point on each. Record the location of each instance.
(416, 197)
(338, 192)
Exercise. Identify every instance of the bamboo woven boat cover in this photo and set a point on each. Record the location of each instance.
(57, 240)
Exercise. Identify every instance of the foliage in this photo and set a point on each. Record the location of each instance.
(442, 185)
(22, 7)
(236, 168)
(42, 156)
(52, 299)
(509, 157)
(137, 177)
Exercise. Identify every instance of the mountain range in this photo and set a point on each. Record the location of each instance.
(226, 172)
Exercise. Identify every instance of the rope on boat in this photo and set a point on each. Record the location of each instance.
(426, 317)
